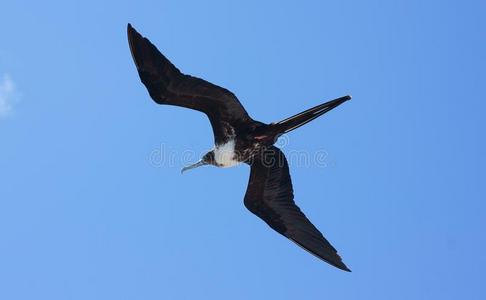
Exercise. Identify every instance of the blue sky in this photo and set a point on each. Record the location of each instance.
(88, 211)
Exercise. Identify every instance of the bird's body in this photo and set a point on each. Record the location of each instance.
(239, 139)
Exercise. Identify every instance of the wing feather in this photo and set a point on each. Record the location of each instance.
(270, 196)
(167, 85)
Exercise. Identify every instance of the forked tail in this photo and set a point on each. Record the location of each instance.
(305, 117)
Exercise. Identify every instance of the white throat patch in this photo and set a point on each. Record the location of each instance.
(225, 155)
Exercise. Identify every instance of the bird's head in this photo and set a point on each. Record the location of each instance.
(207, 159)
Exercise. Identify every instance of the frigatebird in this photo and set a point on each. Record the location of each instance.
(239, 139)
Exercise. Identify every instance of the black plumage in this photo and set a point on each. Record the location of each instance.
(269, 194)
(167, 85)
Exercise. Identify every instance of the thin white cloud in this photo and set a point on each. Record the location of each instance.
(7, 95)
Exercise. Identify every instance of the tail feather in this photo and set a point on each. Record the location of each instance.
(305, 117)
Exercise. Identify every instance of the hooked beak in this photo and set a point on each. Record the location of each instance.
(198, 164)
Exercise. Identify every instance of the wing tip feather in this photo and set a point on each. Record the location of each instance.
(335, 261)
(131, 33)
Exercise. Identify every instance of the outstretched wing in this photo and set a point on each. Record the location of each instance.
(270, 196)
(167, 85)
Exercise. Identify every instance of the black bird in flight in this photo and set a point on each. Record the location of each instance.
(238, 138)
